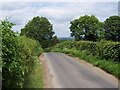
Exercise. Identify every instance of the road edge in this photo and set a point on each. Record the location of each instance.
(96, 69)
(46, 73)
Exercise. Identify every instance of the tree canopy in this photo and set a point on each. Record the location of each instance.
(40, 29)
(112, 28)
(86, 27)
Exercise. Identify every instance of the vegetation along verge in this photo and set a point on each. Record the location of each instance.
(19, 57)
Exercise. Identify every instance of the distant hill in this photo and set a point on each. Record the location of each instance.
(65, 38)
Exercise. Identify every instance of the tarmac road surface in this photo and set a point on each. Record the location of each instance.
(67, 72)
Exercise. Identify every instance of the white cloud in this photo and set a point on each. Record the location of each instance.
(59, 14)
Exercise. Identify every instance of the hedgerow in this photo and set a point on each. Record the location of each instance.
(109, 50)
(31, 49)
(103, 50)
(18, 56)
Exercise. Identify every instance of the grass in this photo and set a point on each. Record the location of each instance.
(35, 78)
(109, 66)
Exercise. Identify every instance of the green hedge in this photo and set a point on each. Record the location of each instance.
(30, 50)
(103, 50)
(89, 46)
(109, 50)
(18, 56)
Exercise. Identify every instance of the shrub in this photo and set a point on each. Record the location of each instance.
(109, 51)
(103, 50)
(12, 62)
(30, 49)
(87, 45)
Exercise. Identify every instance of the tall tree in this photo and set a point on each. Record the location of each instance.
(112, 28)
(40, 29)
(86, 27)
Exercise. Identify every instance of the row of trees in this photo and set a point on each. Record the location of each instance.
(84, 28)
(90, 28)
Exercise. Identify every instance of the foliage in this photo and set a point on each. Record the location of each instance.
(109, 50)
(112, 28)
(30, 50)
(103, 50)
(87, 28)
(40, 29)
(18, 56)
(12, 63)
(0, 49)
(35, 78)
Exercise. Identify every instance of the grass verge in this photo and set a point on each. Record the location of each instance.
(109, 66)
(35, 78)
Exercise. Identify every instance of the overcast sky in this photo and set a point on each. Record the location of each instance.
(59, 13)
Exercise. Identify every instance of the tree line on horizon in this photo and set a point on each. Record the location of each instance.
(84, 28)
(91, 29)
